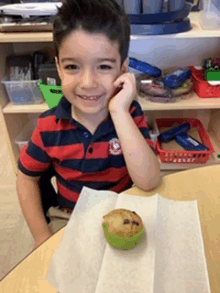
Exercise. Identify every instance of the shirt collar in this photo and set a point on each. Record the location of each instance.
(63, 111)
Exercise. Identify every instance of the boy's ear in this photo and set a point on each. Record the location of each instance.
(125, 66)
(58, 67)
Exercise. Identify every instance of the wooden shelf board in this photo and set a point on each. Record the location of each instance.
(196, 32)
(191, 101)
(28, 37)
(37, 108)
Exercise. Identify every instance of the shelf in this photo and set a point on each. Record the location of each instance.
(37, 108)
(25, 37)
(196, 32)
(191, 101)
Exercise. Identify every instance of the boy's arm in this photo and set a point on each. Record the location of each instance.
(143, 166)
(30, 200)
(33, 160)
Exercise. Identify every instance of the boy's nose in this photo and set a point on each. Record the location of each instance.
(88, 79)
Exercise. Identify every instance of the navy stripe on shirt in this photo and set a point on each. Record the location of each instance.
(79, 158)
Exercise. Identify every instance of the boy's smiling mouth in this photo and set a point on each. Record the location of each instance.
(90, 98)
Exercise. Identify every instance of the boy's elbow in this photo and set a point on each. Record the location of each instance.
(150, 183)
(149, 186)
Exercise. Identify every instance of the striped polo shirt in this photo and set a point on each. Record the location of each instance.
(78, 157)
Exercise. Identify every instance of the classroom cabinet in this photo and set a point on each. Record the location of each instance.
(183, 49)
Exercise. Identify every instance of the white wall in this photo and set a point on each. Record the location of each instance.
(171, 52)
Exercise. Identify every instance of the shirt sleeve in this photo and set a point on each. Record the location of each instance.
(140, 120)
(33, 159)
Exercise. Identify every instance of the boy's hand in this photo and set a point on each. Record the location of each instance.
(124, 95)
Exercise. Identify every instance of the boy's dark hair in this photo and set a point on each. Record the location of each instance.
(93, 16)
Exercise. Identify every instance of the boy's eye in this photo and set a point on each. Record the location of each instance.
(74, 67)
(104, 66)
(71, 67)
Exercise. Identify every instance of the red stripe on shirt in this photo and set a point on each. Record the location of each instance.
(100, 150)
(150, 142)
(66, 173)
(132, 109)
(140, 121)
(73, 151)
(122, 185)
(36, 138)
(109, 175)
(49, 124)
(67, 193)
(31, 164)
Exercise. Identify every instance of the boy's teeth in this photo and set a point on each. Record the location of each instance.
(90, 98)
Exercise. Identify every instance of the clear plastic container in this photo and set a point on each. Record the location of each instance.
(154, 90)
(24, 136)
(23, 92)
(211, 14)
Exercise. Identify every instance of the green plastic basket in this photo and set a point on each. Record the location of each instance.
(52, 93)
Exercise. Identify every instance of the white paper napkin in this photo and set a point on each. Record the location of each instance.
(169, 259)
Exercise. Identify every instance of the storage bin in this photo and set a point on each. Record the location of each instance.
(24, 136)
(23, 92)
(201, 86)
(183, 156)
(52, 93)
(211, 14)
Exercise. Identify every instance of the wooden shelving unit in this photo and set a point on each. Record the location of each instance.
(196, 32)
(14, 117)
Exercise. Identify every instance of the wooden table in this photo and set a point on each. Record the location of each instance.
(201, 183)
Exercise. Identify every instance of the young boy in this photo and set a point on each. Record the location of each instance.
(97, 136)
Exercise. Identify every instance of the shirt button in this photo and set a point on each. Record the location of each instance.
(86, 134)
(90, 150)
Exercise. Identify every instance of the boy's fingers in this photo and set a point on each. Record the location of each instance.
(124, 79)
(117, 82)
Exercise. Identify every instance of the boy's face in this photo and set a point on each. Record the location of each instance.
(87, 79)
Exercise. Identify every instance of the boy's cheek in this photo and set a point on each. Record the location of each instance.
(67, 82)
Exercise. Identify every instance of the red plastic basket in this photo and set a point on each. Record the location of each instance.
(201, 86)
(183, 156)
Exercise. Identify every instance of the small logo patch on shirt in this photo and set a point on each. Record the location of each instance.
(115, 147)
